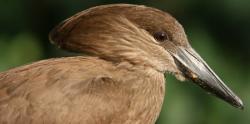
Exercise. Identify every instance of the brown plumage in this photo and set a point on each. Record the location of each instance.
(123, 82)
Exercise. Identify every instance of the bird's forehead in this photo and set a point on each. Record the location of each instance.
(150, 19)
(154, 20)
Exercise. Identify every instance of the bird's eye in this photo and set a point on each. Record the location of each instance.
(161, 36)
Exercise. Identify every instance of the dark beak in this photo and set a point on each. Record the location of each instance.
(195, 68)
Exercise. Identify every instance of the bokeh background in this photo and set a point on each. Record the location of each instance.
(218, 29)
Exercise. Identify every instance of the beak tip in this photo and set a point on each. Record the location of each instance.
(238, 103)
(241, 107)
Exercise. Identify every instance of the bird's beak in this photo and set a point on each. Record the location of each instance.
(195, 68)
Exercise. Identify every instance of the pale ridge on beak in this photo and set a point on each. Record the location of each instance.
(195, 68)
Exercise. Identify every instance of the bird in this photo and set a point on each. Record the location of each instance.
(119, 77)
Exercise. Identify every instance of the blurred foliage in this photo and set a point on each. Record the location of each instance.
(218, 30)
(21, 49)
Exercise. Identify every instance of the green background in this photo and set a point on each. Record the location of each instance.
(219, 30)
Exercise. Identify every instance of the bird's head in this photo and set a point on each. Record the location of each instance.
(141, 36)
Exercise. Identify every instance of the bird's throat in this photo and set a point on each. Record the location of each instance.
(147, 89)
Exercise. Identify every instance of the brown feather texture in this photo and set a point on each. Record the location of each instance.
(121, 81)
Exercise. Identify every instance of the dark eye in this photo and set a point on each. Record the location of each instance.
(161, 36)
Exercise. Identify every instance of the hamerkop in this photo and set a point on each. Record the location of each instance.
(121, 81)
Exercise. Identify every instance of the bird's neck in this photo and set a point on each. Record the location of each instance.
(147, 87)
